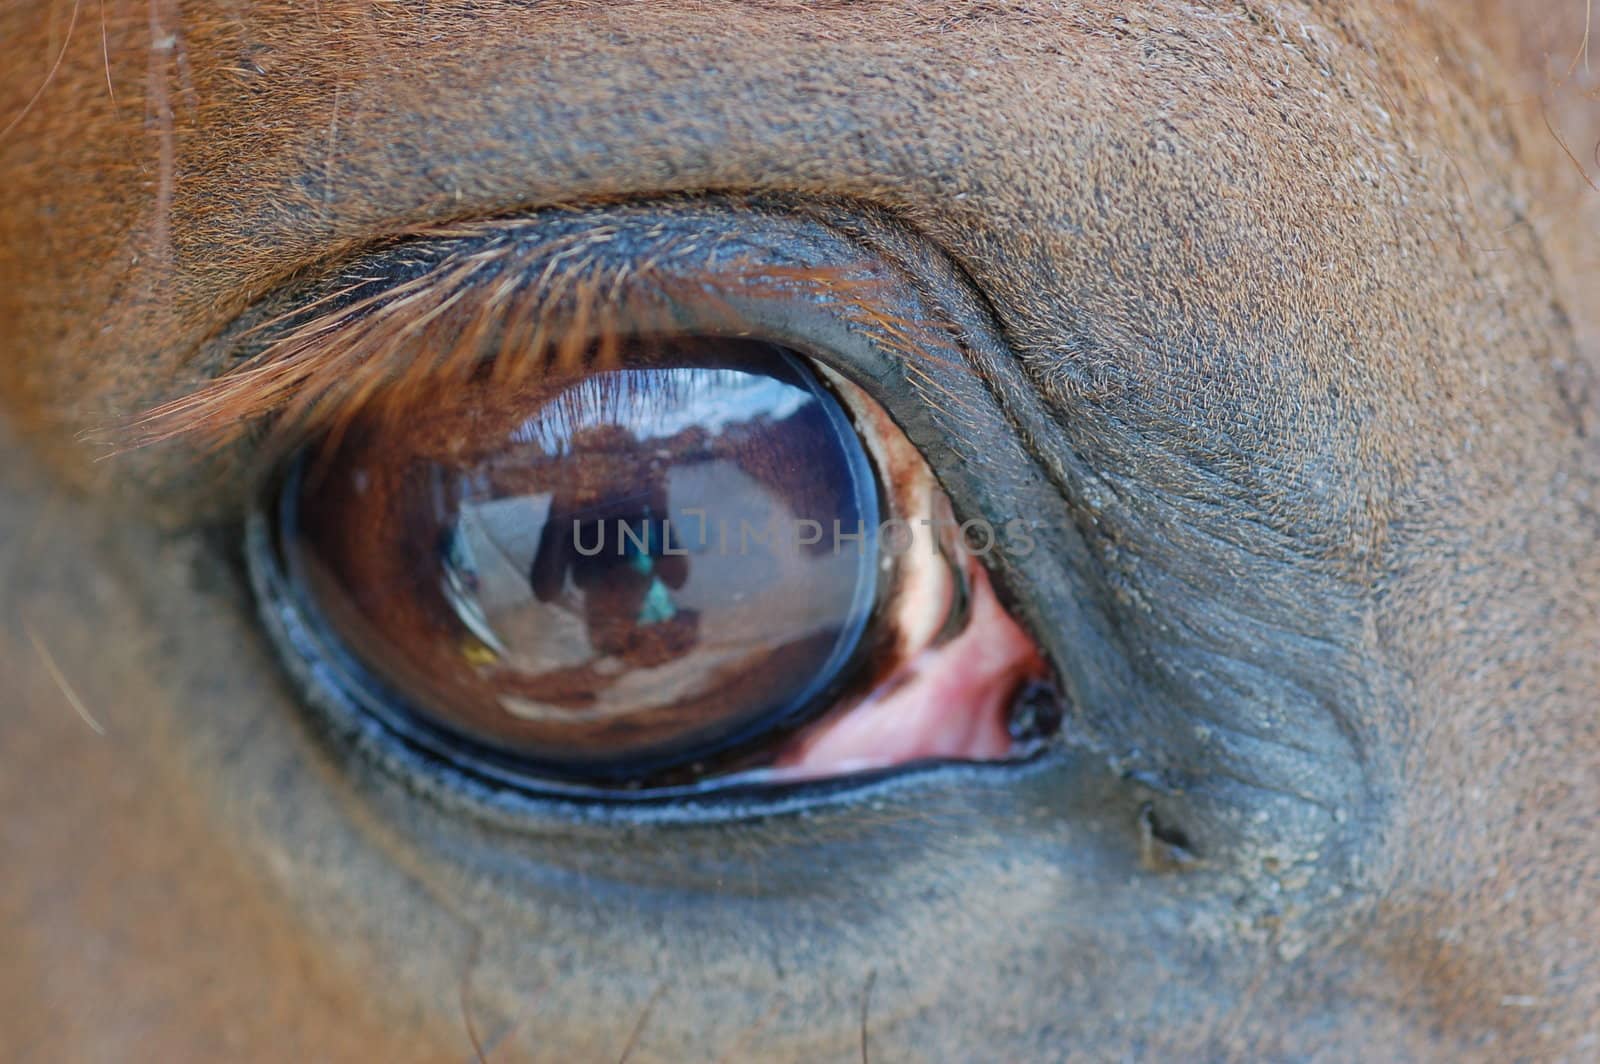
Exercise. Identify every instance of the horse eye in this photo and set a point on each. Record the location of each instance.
(612, 573)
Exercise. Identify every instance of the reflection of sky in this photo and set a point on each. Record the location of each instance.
(660, 403)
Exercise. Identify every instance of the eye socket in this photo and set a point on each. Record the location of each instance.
(604, 574)
(745, 406)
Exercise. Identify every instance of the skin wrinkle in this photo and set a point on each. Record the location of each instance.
(1303, 287)
(1181, 706)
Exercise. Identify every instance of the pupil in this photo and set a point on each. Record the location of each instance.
(614, 571)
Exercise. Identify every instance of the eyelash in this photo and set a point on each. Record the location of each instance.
(474, 298)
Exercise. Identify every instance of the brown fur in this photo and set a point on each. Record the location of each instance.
(1335, 259)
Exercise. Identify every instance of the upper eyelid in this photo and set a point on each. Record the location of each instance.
(485, 292)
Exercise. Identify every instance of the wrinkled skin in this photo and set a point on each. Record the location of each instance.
(1300, 292)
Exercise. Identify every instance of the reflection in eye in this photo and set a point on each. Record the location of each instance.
(539, 518)
(602, 573)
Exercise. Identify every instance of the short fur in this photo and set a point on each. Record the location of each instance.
(1306, 284)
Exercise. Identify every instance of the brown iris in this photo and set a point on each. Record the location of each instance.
(602, 573)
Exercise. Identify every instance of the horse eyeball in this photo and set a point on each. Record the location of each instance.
(693, 560)
(604, 572)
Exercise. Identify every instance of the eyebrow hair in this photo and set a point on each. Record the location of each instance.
(492, 302)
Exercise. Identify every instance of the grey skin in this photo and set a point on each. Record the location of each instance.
(1313, 471)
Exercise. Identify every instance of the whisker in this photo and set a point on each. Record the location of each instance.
(639, 1024)
(866, 1011)
(60, 679)
(72, 22)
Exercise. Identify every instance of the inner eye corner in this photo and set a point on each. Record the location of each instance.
(717, 564)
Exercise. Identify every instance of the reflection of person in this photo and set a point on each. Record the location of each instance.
(627, 583)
